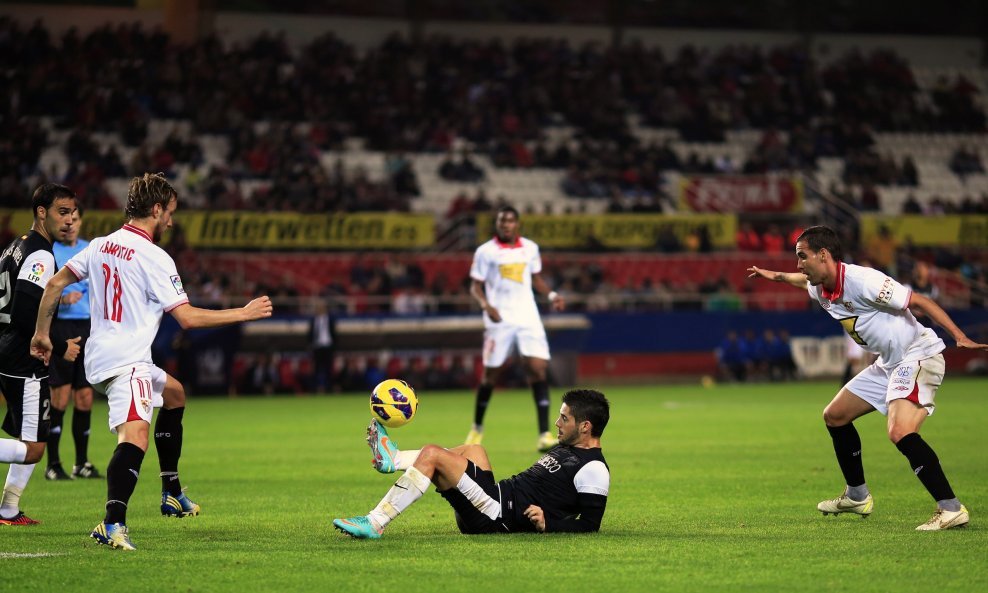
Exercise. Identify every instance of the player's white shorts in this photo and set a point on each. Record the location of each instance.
(916, 381)
(134, 395)
(501, 339)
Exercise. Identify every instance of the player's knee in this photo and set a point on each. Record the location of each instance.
(174, 395)
(429, 453)
(83, 400)
(35, 451)
(832, 417)
(897, 432)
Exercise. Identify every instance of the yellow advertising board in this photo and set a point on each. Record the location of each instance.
(615, 231)
(969, 230)
(274, 230)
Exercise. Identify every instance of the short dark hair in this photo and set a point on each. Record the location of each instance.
(591, 405)
(823, 237)
(511, 209)
(47, 193)
(146, 191)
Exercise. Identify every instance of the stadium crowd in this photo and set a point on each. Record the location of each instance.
(421, 97)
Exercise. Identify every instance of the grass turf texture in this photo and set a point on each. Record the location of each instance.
(711, 489)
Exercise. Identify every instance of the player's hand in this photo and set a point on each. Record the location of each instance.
(559, 303)
(71, 298)
(493, 313)
(41, 347)
(72, 352)
(756, 272)
(966, 342)
(536, 516)
(258, 308)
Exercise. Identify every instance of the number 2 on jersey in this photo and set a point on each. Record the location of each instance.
(112, 311)
(8, 293)
(849, 323)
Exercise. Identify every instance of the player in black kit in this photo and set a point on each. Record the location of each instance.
(26, 265)
(565, 490)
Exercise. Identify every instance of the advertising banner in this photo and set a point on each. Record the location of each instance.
(615, 231)
(749, 194)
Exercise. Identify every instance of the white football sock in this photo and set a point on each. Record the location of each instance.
(477, 497)
(12, 451)
(409, 488)
(406, 459)
(17, 478)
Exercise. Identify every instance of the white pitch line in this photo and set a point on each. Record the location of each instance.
(30, 554)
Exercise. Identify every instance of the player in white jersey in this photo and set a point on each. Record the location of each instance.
(132, 283)
(902, 383)
(503, 273)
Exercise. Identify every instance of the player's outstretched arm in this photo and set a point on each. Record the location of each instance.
(935, 312)
(190, 317)
(797, 279)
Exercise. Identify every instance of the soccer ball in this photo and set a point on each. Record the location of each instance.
(393, 403)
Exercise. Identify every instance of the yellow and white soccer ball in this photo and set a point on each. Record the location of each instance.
(393, 403)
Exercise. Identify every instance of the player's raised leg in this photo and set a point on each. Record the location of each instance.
(434, 464)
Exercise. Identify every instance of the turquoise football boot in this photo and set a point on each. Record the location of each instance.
(382, 448)
(358, 528)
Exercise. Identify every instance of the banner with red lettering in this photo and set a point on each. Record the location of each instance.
(735, 194)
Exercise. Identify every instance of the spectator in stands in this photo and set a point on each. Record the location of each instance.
(911, 205)
(466, 170)
(460, 375)
(781, 362)
(909, 174)
(262, 375)
(373, 373)
(882, 250)
(732, 358)
(966, 161)
(322, 342)
(773, 241)
(747, 238)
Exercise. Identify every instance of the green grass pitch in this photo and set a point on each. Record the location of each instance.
(711, 490)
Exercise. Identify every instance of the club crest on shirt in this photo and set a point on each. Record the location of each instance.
(177, 283)
(513, 272)
(36, 272)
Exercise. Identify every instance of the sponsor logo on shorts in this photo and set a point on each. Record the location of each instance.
(900, 388)
(903, 371)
